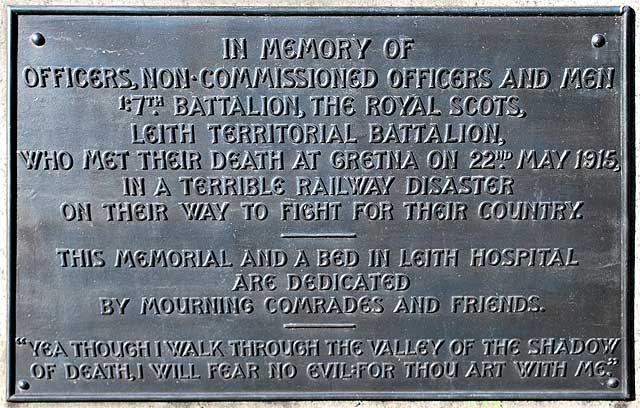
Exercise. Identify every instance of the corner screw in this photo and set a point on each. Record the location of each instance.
(24, 385)
(598, 40)
(613, 382)
(37, 39)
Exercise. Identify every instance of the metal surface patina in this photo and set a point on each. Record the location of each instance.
(244, 204)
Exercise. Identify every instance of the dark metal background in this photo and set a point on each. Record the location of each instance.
(47, 302)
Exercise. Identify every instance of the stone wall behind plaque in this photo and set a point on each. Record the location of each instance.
(300, 3)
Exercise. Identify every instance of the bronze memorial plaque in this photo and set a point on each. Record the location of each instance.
(241, 204)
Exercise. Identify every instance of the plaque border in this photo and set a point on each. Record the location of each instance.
(627, 226)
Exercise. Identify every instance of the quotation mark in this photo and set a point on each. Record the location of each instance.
(613, 361)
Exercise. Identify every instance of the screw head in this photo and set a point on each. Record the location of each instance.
(24, 385)
(37, 39)
(598, 40)
(613, 382)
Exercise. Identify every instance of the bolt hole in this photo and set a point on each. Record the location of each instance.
(613, 382)
(24, 385)
(38, 39)
(598, 40)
